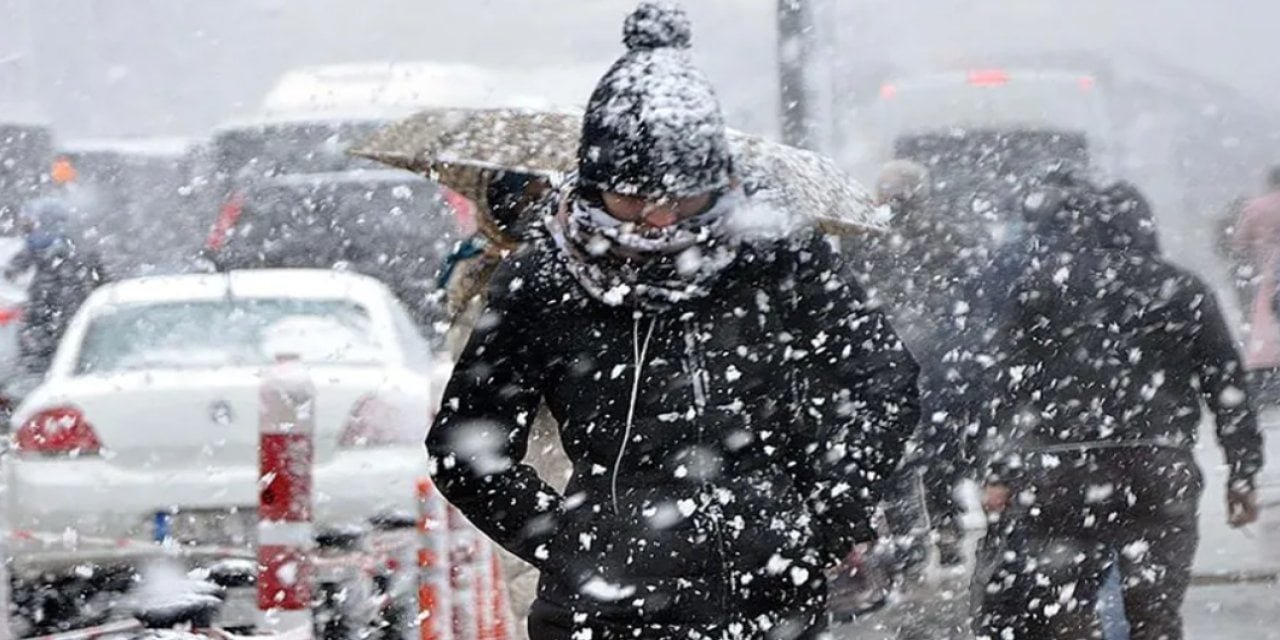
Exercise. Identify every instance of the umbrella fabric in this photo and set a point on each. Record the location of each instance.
(466, 149)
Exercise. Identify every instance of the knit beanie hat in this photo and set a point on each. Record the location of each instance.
(653, 126)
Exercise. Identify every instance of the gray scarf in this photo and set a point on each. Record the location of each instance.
(620, 264)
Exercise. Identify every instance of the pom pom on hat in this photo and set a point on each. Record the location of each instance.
(657, 25)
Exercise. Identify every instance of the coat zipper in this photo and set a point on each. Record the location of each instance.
(640, 351)
(695, 368)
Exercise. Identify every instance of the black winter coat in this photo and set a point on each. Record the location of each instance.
(725, 452)
(1109, 345)
(64, 275)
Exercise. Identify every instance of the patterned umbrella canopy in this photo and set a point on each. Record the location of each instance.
(465, 149)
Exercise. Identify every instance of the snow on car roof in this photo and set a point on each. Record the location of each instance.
(398, 85)
(266, 283)
(130, 146)
(311, 117)
(357, 176)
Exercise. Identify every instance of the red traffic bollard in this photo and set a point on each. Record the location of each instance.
(286, 539)
(435, 615)
(463, 576)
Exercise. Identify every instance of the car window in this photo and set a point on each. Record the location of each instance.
(230, 333)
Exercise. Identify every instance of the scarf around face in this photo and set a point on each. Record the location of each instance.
(623, 264)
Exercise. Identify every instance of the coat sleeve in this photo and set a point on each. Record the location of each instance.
(1225, 391)
(480, 435)
(1020, 340)
(857, 398)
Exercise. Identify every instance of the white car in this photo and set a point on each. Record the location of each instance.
(147, 424)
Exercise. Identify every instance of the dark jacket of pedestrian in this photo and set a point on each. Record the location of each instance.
(1106, 342)
(730, 406)
(64, 273)
(1106, 357)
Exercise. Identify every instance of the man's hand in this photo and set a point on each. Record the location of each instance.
(1242, 506)
(995, 498)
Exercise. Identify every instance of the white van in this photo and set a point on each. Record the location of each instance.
(396, 88)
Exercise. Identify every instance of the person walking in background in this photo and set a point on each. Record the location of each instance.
(1104, 362)
(1257, 236)
(1236, 260)
(730, 405)
(915, 272)
(64, 273)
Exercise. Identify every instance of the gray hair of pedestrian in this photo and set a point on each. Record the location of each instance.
(902, 181)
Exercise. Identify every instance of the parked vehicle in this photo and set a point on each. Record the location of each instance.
(982, 132)
(151, 405)
(134, 199)
(242, 154)
(399, 88)
(26, 149)
(391, 225)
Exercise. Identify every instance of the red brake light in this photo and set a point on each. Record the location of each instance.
(58, 432)
(227, 219)
(988, 78)
(888, 91)
(10, 315)
(373, 423)
(1087, 82)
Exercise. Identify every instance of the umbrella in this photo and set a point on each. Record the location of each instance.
(465, 149)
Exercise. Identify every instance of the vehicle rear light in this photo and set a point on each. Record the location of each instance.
(58, 432)
(10, 315)
(374, 423)
(464, 212)
(988, 78)
(888, 91)
(1087, 82)
(227, 219)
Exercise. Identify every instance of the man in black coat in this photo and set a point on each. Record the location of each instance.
(730, 406)
(1105, 359)
(64, 273)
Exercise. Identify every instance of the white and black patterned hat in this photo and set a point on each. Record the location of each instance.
(653, 126)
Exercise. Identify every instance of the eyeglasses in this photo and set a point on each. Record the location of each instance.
(659, 212)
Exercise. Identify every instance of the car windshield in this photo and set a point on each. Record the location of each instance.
(228, 333)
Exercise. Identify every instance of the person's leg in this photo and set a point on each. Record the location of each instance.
(941, 465)
(903, 510)
(1044, 591)
(1159, 543)
(1047, 574)
(1111, 613)
(940, 482)
(1157, 572)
